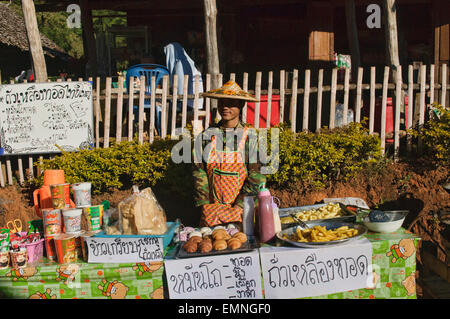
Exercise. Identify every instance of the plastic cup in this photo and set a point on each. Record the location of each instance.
(19, 258)
(4, 259)
(93, 216)
(52, 221)
(60, 194)
(82, 194)
(50, 248)
(72, 220)
(65, 248)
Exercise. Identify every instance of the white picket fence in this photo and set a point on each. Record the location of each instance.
(114, 119)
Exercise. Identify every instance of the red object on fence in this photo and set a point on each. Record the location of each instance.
(389, 116)
(274, 111)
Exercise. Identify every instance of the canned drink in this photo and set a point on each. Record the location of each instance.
(50, 248)
(52, 221)
(94, 216)
(60, 194)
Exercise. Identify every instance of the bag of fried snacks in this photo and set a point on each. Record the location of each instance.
(141, 214)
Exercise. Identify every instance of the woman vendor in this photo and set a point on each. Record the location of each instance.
(224, 175)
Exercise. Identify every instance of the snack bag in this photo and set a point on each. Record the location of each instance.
(141, 214)
(4, 240)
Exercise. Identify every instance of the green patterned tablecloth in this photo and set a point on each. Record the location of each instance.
(394, 267)
(49, 280)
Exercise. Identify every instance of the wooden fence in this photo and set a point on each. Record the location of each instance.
(306, 106)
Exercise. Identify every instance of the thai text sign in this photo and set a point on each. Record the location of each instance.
(124, 249)
(232, 276)
(308, 272)
(40, 117)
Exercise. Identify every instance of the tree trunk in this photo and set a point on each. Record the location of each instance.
(212, 51)
(390, 16)
(34, 41)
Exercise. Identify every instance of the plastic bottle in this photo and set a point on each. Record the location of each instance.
(276, 215)
(248, 218)
(265, 215)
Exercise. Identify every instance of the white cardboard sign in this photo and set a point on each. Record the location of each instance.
(36, 117)
(232, 276)
(290, 272)
(124, 249)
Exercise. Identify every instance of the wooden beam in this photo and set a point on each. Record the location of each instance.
(34, 41)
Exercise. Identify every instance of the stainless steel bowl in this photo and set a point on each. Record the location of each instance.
(328, 224)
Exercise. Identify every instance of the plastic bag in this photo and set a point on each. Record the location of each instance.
(141, 214)
(339, 119)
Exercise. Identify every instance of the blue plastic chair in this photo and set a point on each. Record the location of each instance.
(147, 70)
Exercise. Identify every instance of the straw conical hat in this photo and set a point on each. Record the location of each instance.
(230, 90)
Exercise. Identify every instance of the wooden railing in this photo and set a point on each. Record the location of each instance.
(305, 107)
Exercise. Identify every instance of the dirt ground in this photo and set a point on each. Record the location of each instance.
(412, 186)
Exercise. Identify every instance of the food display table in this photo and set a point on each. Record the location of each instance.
(393, 266)
(81, 280)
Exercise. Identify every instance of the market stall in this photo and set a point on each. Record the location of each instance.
(338, 249)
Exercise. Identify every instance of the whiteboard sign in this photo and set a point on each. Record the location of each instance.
(232, 276)
(304, 272)
(39, 117)
(124, 249)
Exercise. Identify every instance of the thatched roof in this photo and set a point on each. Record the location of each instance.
(13, 33)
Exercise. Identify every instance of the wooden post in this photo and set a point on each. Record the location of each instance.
(269, 100)
(165, 86)
(119, 110)
(372, 99)
(383, 109)
(152, 108)
(106, 122)
(184, 104)
(346, 93)
(34, 41)
(174, 105)
(282, 92)
(208, 101)
(398, 99)
(390, 16)
(410, 107)
(196, 126)
(258, 96)
(293, 111)
(141, 109)
(431, 85)
(444, 84)
(306, 100)
(352, 34)
(423, 78)
(319, 101)
(333, 98)
(130, 108)
(212, 51)
(245, 88)
(97, 112)
(358, 95)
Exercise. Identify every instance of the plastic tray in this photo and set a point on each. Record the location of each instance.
(167, 237)
(249, 245)
(350, 217)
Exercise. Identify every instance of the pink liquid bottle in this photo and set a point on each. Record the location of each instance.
(265, 215)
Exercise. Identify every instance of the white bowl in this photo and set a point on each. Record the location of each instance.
(396, 220)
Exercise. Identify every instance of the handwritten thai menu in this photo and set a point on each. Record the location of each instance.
(40, 117)
(124, 249)
(290, 272)
(232, 276)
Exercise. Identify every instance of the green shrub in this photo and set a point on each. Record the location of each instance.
(332, 154)
(315, 158)
(435, 135)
